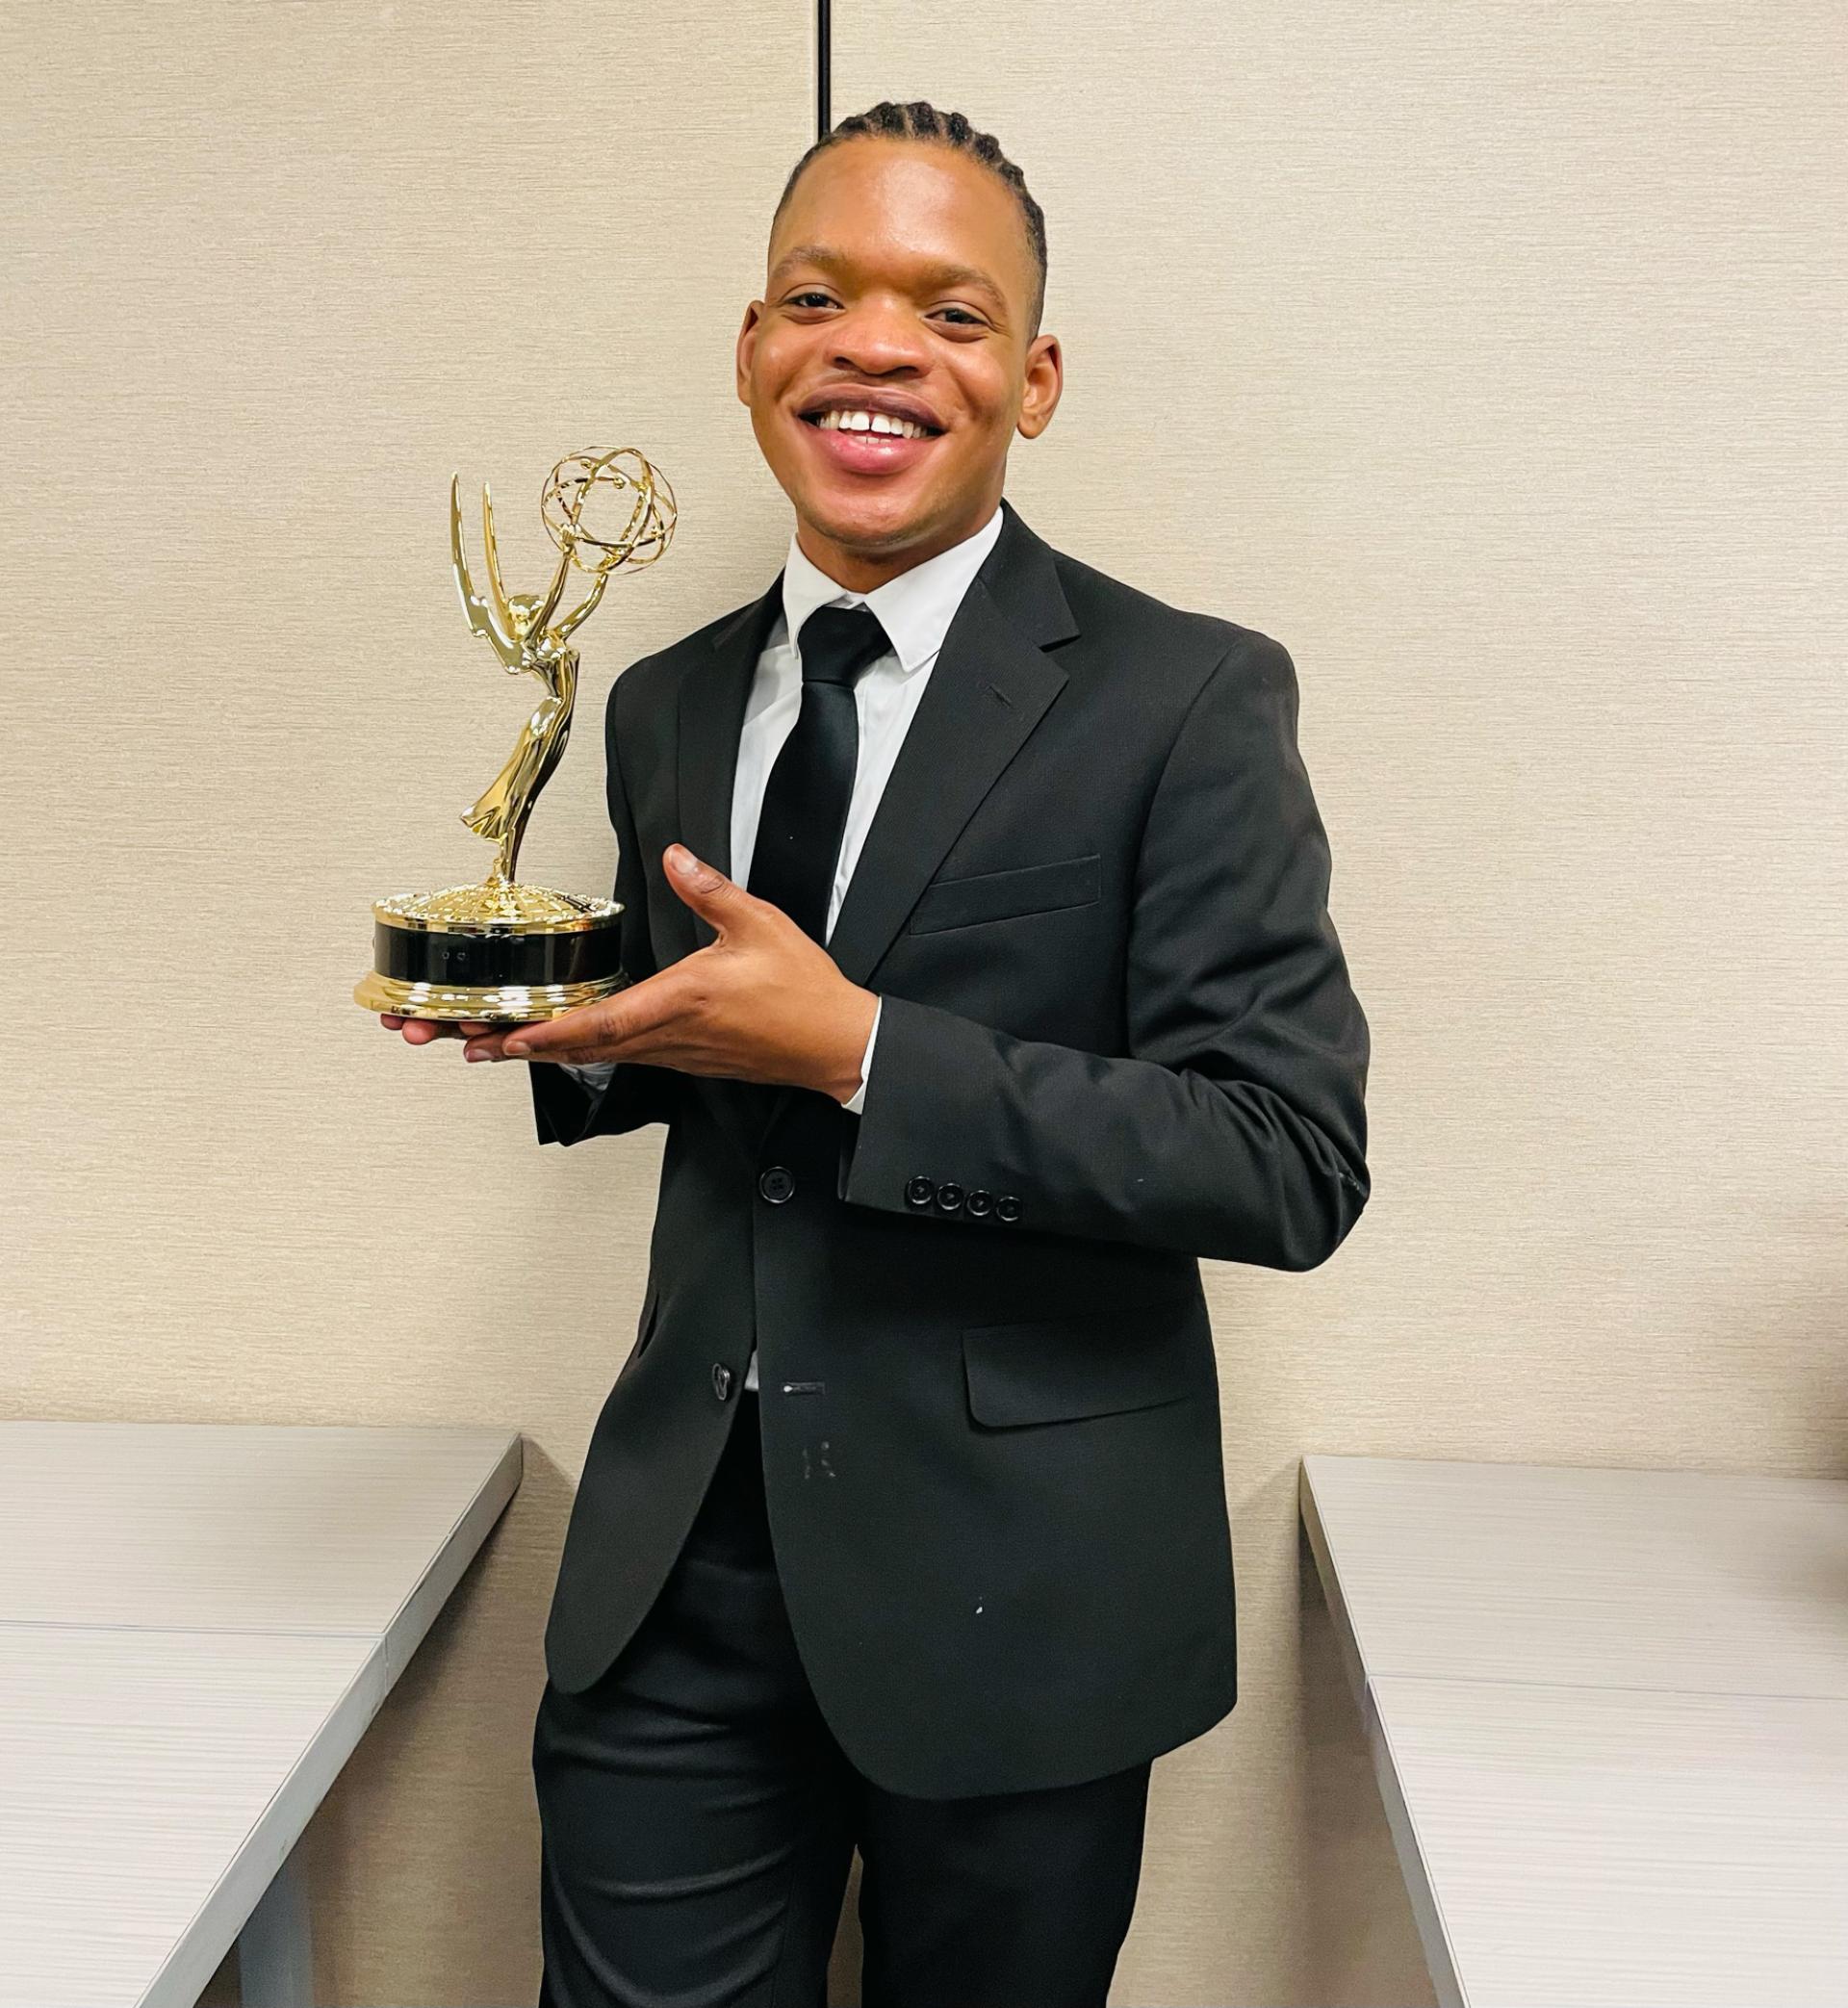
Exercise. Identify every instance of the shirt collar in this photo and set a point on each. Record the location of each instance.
(916, 608)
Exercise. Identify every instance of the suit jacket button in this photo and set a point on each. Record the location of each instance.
(949, 1196)
(979, 1203)
(920, 1192)
(721, 1379)
(1007, 1207)
(777, 1184)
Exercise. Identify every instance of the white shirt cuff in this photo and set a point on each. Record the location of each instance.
(857, 1101)
(594, 1074)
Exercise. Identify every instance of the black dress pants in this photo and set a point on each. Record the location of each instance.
(698, 1821)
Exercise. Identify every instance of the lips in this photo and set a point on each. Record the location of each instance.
(855, 397)
(845, 418)
(866, 452)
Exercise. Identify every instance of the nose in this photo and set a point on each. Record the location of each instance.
(877, 335)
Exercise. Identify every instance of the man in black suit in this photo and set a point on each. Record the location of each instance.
(980, 970)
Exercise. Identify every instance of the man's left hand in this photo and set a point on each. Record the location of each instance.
(762, 1002)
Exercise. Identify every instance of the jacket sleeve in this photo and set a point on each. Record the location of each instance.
(566, 1108)
(1235, 1126)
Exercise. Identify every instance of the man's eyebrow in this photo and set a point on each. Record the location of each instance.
(969, 276)
(944, 274)
(803, 254)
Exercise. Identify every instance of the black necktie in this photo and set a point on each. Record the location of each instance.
(806, 796)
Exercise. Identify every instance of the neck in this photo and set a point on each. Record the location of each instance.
(863, 571)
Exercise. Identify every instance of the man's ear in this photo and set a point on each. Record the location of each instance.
(1045, 379)
(748, 348)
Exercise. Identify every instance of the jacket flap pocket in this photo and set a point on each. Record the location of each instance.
(998, 895)
(1089, 1363)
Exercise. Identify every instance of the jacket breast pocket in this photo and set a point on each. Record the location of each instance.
(1089, 1363)
(1005, 895)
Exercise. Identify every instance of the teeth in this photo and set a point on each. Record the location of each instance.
(870, 422)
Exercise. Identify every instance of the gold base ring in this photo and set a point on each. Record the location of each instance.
(505, 1004)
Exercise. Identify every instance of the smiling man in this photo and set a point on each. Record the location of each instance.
(981, 972)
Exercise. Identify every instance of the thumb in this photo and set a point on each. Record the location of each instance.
(705, 888)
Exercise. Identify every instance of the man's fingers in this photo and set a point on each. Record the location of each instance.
(550, 1037)
(591, 1030)
(421, 1031)
(395, 1022)
(484, 1041)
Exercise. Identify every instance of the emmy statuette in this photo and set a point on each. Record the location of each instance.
(502, 952)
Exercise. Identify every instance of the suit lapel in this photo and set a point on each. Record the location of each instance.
(712, 700)
(990, 687)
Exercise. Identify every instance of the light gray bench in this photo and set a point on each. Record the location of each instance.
(196, 1622)
(1608, 1714)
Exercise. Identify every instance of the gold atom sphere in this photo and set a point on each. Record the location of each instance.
(633, 480)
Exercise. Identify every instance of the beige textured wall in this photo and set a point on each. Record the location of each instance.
(1487, 356)
(271, 273)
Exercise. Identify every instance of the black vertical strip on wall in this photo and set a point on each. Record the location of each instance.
(824, 50)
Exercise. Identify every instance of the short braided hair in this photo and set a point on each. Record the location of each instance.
(919, 119)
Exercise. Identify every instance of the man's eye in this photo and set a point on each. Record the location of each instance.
(797, 300)
(974, 320)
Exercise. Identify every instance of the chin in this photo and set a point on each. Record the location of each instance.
(868, 524)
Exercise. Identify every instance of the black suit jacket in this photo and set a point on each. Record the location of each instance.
(1117, 1035)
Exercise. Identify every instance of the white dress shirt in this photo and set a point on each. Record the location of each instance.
(916, 610)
